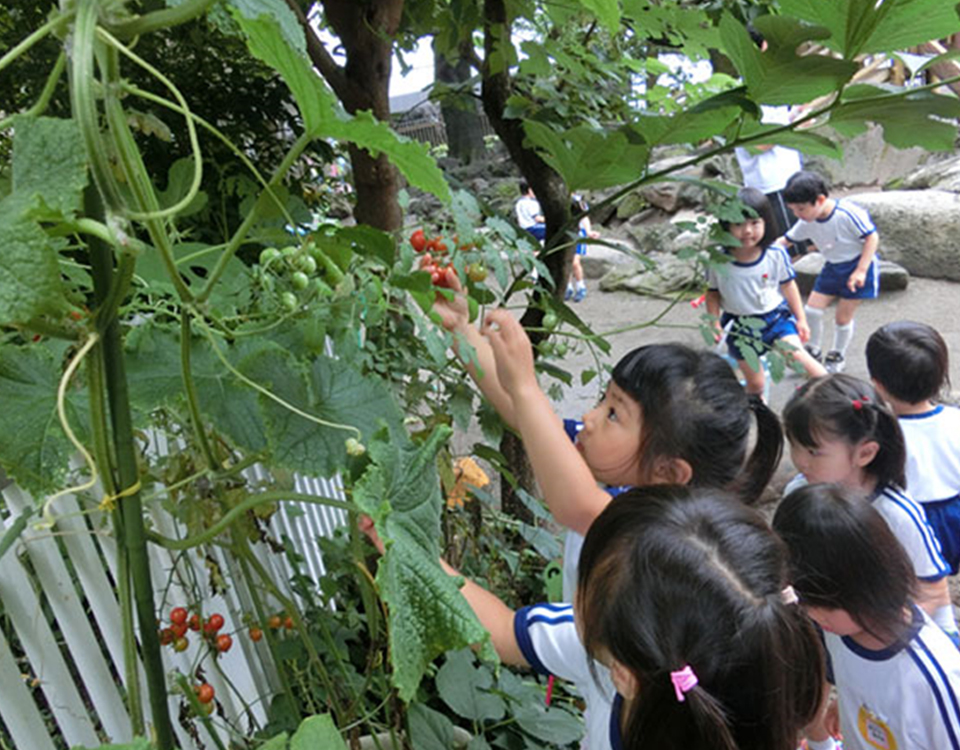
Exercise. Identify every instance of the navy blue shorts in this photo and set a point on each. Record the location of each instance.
(832, 280)
(778, 323)
(538, 230)
(582, 246)
(944, 518)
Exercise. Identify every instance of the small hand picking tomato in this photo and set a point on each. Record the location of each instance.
(224, 642)
(205, 692)
(256, 634)
(178, 615)
(418, 240)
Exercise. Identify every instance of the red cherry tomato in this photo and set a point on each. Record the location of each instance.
(166, 637)
(288, 622)
(179, 629)
(224, 642)
(213, 624)
(205, 692)
(441, 247)
(256, 634)
(418, 240)
(274, 622)
(178, 615)
(194, 622)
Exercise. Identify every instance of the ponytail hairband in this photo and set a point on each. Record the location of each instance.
(788, 596)
(859, 403)
(684, 680)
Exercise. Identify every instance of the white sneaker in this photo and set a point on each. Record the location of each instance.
(834, 362)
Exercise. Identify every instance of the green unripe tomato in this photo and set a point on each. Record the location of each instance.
(300, 280)
(562, 348)
(307, 264)
(550, 321)
(289, 301)
(289, 251)
(268, 255)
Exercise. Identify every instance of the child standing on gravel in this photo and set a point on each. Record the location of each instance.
(910, 366)
(758, 283)
(846, 236)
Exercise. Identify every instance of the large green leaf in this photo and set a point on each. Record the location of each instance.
(607, 11)
(330, 390)
(322, 114)
(868, 26)
(588, 158)
(34, 450)
(429, 729)
(317, 732)
(30, 283)
(803, 140)
(779, 75)
(467, 689)
(49, 160)
(919, 118)
(401, 492)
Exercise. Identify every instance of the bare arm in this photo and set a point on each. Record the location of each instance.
(791, 293)
(712, 301)
(858, 277)
(931, 595)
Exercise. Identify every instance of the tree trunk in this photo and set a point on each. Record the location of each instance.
(461, 118)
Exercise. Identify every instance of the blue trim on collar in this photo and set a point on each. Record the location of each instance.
(836, 204)
(616, 739)
(892, 650)
(738, 264)
(933, 412)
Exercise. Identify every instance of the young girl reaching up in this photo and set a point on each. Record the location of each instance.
(840, 431)
(759, 282)
(670, 415)
(680, 631)
(897, 674)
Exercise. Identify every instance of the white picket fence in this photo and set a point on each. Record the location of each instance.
(65, 665)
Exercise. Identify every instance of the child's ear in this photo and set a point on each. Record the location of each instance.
(624, 680)
(673, 470)
(865, 452)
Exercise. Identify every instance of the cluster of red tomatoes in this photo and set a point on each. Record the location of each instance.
(181, 621)
(436, 260)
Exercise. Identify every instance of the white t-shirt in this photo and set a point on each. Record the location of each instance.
(933, 453)
(752, 288)
(528, 209)
(905, 697)
(840, 236)
(768, 171)
(548, 638)
(908, 523)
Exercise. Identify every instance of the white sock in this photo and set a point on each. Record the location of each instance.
(581, 284)
(842, 335)
(945, 618)
(815, 321)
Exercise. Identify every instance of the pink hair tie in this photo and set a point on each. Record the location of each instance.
(788, 596)
(684, 680)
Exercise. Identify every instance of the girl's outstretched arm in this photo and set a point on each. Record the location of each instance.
(568, 485)
(455, 316)
(791, 293)
(493, 614)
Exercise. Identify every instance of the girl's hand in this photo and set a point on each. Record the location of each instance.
(717, 331)
(512, 350)
(804, 330)
(857, 279)
(365, 524)
(454, 313)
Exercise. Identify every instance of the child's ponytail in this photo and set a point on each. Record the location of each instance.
(767, 451)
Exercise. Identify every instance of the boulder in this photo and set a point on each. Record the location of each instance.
(893, 277)
(653, 238)
(867, 159)
(601, 259)
(918, 229)
(662, 275)
(942, 175)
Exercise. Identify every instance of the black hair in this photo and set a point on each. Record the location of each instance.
(847, 408)
(524, 187)
(755, 35)
(910, 360)
(671, 576)
(805, 187)
(758, 206)
(694, 408)
(843, 555)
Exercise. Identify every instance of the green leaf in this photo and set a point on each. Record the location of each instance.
(465, 688)
(277, 742)
(179, 180)
(34, 450)
(138, 743)
(317, 732)
(49, 160)
(606, 11)
(552, 725)
(802, 140)
(427, 614)
(30, 283)
(429, 729)
(280, 13)
(918, 118)
(324, 117)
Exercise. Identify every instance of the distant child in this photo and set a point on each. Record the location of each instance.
(576, 288)
(910, 367)
(670, 415)
(680, 635)
(759, 282)
(897, 674)
(846, 236)
(529, 215)
(840, 431)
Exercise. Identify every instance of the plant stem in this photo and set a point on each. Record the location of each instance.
(50, 26)
(190, 389)
(262, 498)
(40, 106)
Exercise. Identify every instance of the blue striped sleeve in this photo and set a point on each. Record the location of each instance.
(528, 617)
(944, 695)
(918, 519)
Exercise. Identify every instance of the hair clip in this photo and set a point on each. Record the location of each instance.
(857, 404)
(788, 596)
(684, 680)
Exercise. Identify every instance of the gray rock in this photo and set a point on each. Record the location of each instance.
(601, 259)
(918, 229)
(867, 159)
(653, 238)
(662, 276)
(942, 175)
(893, 277)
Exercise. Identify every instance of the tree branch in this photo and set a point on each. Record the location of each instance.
(332, 73)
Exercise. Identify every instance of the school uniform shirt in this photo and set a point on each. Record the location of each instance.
(904, 697)
(752, 288)
(528, 209)
(840, 236)
(908, 523)
(549, 641)
(933, 453)
(768, 171)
